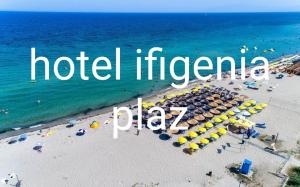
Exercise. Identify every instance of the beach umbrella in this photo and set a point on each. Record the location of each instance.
(213, 104)
(175, 113)
(204, 141)
(168, 116)
(182, 140)
(192, 134)
(186, 91)
(209, 124)
(252, 101)
(162, 101)
(218, 101)
(145, 106)
(204, 101)
(214, 111)
(217, 120)
(214, 136)
(242, 107)
(210, 98)
(193, 146)
(233, 103)
(246, 114)
(151, 104)
(94, 124)
(198, 87)
(190, 115)
(216, 96)
(263, 105)
(247, 104)
(236, 110)
(182, 103)
(198, 104)
(180, 94)
(246, 124)
(221, 108)
(228, 105)
(206, 86)
(199, 118)
(173, 131)
(190, 101)
(198, 98)
(257, 107)
(184, 124)
(201, 129)
(232, 120)
(223, 117)
(192, 122)
(191, 107)
(231, 113)
(222, 131)
(206, 108)
(252, 111)
(199, 111)
(208, 115)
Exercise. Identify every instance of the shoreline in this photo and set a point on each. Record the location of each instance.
(89, 112)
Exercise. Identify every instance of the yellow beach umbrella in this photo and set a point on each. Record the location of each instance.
(204, 141)
(251, 111)
(192, 134)
(242, 107)
(195, 90)
(186, 91)
(217, 120)
(151, 104)
(257, 107)
(194, 146)
(198, 87)
(206, 85)
(145, 106)
(232, 120)
(162, 100)
(247, 104)
(202, 129)
(231, 113)
(209, 124)
(222, 131)
(180, 94)
(94, 125)
(224, 117)
(263, 105)
(182, 140)
(252, 101)
(214, 135)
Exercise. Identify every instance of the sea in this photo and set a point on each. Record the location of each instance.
(24, 102)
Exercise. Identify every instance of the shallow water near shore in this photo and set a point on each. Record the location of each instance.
(66, 34)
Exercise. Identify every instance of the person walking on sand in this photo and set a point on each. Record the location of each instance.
(137, 132)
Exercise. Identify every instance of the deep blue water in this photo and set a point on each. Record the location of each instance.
(66, 34)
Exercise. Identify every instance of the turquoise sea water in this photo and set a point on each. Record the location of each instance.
(66, 34)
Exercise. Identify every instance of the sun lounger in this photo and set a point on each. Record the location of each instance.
(261, 125)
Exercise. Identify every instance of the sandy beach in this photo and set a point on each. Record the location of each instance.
(96, 159)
